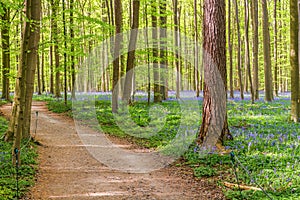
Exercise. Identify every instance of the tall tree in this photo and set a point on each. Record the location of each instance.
(196, 67)
(239, 64)
(72, 48)
(65, 51)
(177, 43)
(156, 87)
(163, 49)
(19, 126)
(275, 50)
(247, 50)
(267, 55)
(54, 6)
(131, 51)
(5, 27)
(254, 16)
(214, 102)
(230, 51)
(294, 59)
(116, 62)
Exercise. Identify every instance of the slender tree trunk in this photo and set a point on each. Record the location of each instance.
(116, 62)
(254, 13)
(156, 90)
(214, 45)
(196, 67)
(163, 49)
(131, 52)
(177, 40)
(294, 59)
(275, 49)
(239, 50)
(72, 36)
(247, 51)
(65, 53)
(39, 86)
(230, 51)
(267, 56)
(5, 51)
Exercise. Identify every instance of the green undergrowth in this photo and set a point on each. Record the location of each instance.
(265, 146)
(8, 183)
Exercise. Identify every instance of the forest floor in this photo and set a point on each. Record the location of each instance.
(68, 171)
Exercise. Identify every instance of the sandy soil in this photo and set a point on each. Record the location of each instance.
(68, 171)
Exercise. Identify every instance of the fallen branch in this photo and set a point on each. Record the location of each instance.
(243, 187)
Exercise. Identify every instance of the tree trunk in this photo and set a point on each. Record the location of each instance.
(19, 126)
(156, 89)
(239, 50)
(214, 128)
(275, 49)
(196, 67)
(65, 53)
(131, 52)
(254, 13)
(5, 51)
(177, 41)
(267, 56)
(247, 51)
(54, 4)
(294, 59)
(163, 49)
(230, 51)
(116, 62)
(72, 36)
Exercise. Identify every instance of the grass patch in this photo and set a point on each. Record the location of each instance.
(266, 142)
(8, 171)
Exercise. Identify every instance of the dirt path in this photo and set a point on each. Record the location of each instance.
(68, 171)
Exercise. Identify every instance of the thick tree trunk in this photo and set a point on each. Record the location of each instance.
(294, 59)
(267, 56)
(214, 128)
(19, 126)
(5, 52)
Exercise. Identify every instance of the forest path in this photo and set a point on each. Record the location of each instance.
(68, 171)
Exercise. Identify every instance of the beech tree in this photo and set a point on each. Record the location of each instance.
(19, 126)
(5, 38)
(294, 59)
(214, 46)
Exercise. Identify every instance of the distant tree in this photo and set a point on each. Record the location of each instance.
(230, 51)
(239, 64)
(5, 38)
(214, 46)
(275, 49)
(131, 52)
(294, 59)
(254, 16)
(116, 62)
(267, 53)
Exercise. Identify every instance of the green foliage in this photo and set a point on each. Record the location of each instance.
(8, 171)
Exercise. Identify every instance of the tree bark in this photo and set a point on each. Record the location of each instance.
(239, 50)
(116, 62)
(294, 59)
(19, 126)
(254, 14)
(230, 51)
(275, 50)
(5, 51)
(267, 56)
(177, 42)
(156, 89)
(131, 52)
(214, 128)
